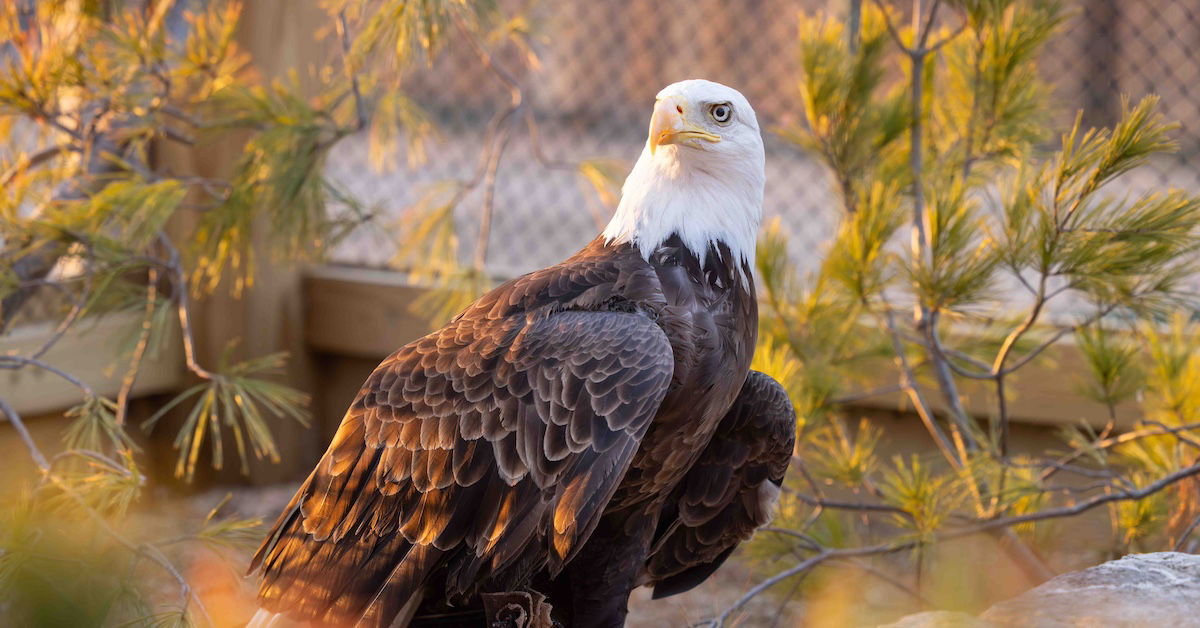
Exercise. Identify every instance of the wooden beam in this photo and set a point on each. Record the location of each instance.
(368, 314)
(360, 312)
(1047, 391)
(88, 351)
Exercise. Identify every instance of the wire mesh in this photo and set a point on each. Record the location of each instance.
(602, 61)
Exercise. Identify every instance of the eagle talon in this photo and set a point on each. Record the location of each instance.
(511, 616)
(517, 609)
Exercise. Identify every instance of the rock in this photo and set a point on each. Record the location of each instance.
(940, 619)
(1161, 589)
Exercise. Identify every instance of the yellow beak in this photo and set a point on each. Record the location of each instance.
(671, 124)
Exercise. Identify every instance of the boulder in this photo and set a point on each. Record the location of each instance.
(1161, 589)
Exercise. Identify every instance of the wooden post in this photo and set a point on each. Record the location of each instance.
(268, 316)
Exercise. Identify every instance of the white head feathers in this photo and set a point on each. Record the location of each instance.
(701, 174)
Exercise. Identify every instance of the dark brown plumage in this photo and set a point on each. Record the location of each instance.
(576, 431)
(728, 493)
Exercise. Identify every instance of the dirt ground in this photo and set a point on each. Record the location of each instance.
(228, 594)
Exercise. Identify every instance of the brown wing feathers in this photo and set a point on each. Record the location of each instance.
(466, 449)
(720, 502)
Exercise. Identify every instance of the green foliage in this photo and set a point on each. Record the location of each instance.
(959, 270)
(94, 221)
(1015, 246)
(991, 105)
(853, 122)
(1114, 362)
(859, 258)
(235, 399)
(403, 31)
(1174, 373)
(928, 498)
(834, 455)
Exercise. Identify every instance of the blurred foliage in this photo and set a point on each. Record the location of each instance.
(1017, 242)
(1020, 252)
(90, 216)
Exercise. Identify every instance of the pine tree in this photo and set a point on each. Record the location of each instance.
(968, 250)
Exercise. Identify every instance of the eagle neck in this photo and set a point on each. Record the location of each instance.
(686, 192)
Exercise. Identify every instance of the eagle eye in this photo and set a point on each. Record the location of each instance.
(721, 113)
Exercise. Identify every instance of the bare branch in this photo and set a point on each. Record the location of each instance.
(360, 106)
(983, 526)
(139, 350)
(1080, 507)
(17, 361)
(489, 195)
(908, 383)
(859, 506)
(868, 394)
(1186, 533)
(39, 459)
(32, 161)
(180, 295)
(802, 567)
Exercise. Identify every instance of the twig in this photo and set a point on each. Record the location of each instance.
(360, 106)
(1186, 533)
(1033, 353)
(841, 505)
(908, 384)
(489, 194)
(499, 137)
(983, 526)
(809, 542)
(1167, 429)
(33, 161)
(946, 383)
(176, 135)
(180, 295)
(854, 25)
(19, 361)
(1062, 464)
(34, 452)
(1075, 509)
(77, 309)
(139, 350)
(805, 565)
(94, 455)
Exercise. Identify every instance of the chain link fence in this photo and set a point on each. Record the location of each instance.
(600, 62)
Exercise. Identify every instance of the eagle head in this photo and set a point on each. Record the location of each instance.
(700, 175)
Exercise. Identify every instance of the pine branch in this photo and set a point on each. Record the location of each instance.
(29, 162)
(139, 350)
(908, 383)
(999, 523)
(17, 361)
(179, 293)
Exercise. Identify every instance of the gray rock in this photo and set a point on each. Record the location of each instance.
(1161, 589)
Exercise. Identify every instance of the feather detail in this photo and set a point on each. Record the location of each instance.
(728, 493)
(704, 194)
(425, 476)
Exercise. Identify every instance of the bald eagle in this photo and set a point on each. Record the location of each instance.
(579, 431)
